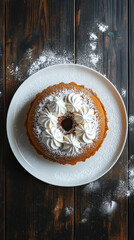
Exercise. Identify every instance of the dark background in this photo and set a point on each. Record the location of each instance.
(61, 29)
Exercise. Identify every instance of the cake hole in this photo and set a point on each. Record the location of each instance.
(67, 124)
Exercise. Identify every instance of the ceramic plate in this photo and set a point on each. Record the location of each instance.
(83, 172)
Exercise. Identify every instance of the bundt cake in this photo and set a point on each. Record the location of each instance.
(66, 123)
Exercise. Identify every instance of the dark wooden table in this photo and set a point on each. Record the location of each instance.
(38, 33)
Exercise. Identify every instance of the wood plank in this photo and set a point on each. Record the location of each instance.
(131, 121)
(101, 43)
(2, 119)
(37, 35)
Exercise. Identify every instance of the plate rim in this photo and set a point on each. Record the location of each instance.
(29, 169)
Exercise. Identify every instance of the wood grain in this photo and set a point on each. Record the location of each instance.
(35, 210)
(2, 120)
(101, 207)
(131, 121)
(45, 28)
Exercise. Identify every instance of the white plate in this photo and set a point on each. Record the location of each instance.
(83, 172)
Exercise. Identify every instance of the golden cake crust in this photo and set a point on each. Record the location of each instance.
(88, 151)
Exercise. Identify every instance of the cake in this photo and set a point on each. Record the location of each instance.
(66, 123)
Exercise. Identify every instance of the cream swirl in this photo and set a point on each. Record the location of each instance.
(71, 144)
(85, 115)
(53, 138)
(47, 119)
(57, 105)
(86, 133)
(74, 102)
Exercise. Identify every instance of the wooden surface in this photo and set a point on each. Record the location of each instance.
(112, 48)
(2, 120)
(131, 114)
(59, 31)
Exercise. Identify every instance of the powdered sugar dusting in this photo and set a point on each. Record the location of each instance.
(131, 119)
(15, 71)
(94, 58)
(93, 36)
(85, 215)
(93, 45)
(89, 54)
(123, 92)
(108, 207)
(37, 131)
(60, 210)
(131, 181)
(122, 188)
(68, 210)
(46, 58)
(29, 54)
(132, 157)
(49, 57)
(91, 187)
(56, 208)
(102, 27)
(131, 122)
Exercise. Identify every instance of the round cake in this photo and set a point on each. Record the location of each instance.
(66, 123)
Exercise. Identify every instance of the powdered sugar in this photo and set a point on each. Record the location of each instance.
(131, 122)
(56, 208)
(85, 215)
(109, 197)
(131, 175)
(93, 36)
(125, 188)
(131, 119)
(132, 157)
(59, 210)
(49, 57)
(123, 92)
(89, 54)
(94, 58)
(15, 71)
(46, 58)
(68, 210)
(102, 27)
(29, 54)
(121, 189)
(91, 187)
(93, 45)
(108, 207)
(37, 131)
